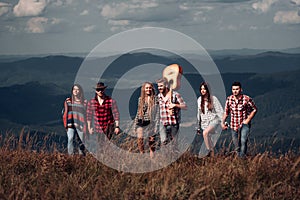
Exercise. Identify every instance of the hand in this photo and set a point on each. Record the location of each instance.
(91, 130)
(224, 126)
(198, 131)
(245, 121)
(117, 130)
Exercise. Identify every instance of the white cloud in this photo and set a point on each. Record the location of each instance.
(89, 28)
(85, 12)
(297, 2)
(287, 17)
(263, 5)
(118, 22)
(112, 11)
(36, 25)
(4, 8)
(55, 21)
(62, 2)
(11, 29)
(29, 8)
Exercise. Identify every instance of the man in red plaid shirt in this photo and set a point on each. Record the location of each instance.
(103, 112)
(169, 110)
(241, 109)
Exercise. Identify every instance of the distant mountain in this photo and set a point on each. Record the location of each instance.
(267, 62)
(247, 52)
(62, 70)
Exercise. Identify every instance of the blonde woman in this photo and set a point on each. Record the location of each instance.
(146, 120)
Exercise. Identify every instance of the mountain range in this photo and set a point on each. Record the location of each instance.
(33, 90)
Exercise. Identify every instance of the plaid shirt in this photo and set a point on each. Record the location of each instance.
(165, 117)
(102, 115)
(239, 110)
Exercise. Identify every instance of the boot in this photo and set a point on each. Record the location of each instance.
(141, 145)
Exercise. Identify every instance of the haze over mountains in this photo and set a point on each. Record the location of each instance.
(33, 88)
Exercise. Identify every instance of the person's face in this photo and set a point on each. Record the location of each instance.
(203, 90)
(160, 87)
(100, 91)
(236, 90)
(148, 89)
(76, 91)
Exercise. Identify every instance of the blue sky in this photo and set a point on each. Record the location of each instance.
(66, 26)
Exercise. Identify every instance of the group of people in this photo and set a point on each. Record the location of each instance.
(100, 116)
(239, 106)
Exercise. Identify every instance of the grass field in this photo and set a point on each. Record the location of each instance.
(39, 175)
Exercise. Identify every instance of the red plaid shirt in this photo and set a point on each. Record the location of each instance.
(239, 110)
(102, 115)
(165, 116)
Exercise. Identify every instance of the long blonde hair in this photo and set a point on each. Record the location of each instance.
(142, 102)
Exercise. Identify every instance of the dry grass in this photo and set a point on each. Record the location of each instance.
(30, 175)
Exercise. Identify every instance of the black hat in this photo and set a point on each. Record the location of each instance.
(100, 85)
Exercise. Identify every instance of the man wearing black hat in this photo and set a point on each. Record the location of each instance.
(103, 111)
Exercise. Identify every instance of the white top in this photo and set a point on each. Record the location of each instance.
(210, 117)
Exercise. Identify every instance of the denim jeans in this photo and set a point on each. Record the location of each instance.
(240, 139)
(71, 133)
(171, 132)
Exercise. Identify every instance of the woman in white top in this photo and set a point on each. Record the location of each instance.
(210, 113)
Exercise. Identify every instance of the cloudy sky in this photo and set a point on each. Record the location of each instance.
(65, 26)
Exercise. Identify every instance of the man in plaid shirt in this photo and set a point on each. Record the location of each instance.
(241, 109)
(169, 110)
(103, 111)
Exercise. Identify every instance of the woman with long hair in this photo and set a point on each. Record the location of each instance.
(74, 118)
(146, 120)
(209, 115)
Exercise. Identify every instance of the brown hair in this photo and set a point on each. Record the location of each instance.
(142, 100)
(209, 97)
(81, 95)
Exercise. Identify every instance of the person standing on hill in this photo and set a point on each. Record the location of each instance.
(74, 118)
(170, 106)
(209, 115)
(147, 117)
(102, 113)
(242, 110)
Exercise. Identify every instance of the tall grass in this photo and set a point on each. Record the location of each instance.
(27, 174)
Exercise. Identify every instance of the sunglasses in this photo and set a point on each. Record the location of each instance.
(100, 89)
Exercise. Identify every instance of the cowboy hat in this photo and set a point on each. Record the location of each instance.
(100, 85)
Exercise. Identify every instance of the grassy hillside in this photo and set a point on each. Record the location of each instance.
(29, 175)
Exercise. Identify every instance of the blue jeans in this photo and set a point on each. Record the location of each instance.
(240, 139)
(71, 134)
(171, 133)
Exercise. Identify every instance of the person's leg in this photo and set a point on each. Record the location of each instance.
(80, 142)
(206, 136)
(139, 131)
(207, 139)
(235, 140)
(109, 131)
(152, 145)
(167, 130)
(245, 130)
(174, 136)
(70, 134)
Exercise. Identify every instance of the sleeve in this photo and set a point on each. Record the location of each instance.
(65, 113)
(157, 115)
(89, 111)
(227, 106)
(199, 110)
(179, 98)
(137, 114)
(218, 108)
(251, 105)
(115, 110)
